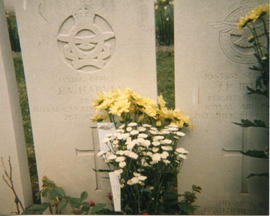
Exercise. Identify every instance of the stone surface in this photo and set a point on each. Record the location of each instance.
(211, 77)
(9, 6)
(71, 51)
(11, 132)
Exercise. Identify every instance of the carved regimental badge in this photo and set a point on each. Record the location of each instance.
(233, 42)
(86, 40)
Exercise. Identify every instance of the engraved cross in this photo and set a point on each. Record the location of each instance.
(244, 186)
(91, 152)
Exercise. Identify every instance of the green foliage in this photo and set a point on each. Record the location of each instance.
(57, 201)
(261, 53)
(266, 175)
(164, 21)
(13, 33)
(248, 123)
(256, 154)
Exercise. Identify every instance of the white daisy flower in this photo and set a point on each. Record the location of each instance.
(99, 154)
(182, 156)
(141, 129)
(122, 164)
(155, 149)
(143, 135)
(133, 180)
(146, 143)
(136, 174)
(166, 141)
(164, 132)
(131, 154)
(153, 132)
(120, 152)
(149, 154)
(181, 150)
(110, 156)
(129, 129)
(120, 159)
(131, 145)
(156, 157)
(179, 133)
(134, 132)
(155, 138)
(164, 155)
(156, 143)
(167, 148)
(166, 161)
(132, 124)
(142, 178)
(147, 125)
(118, 172)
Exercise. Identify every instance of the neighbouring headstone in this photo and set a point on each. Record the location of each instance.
(11, 131)
(212, 58)
(73, 49)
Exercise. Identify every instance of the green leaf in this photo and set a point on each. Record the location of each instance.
(97, 208)
(248, 123)
(60, 192)
(186, 208)
(257, 91)
(102, 170)
(170, 195)
(38, 207)
(62, 205)
(85, 206)
(255, 68)
(258, 175)
(84, 196)
(196, 188)
(255, 153)
(52, 194)
(75, 202)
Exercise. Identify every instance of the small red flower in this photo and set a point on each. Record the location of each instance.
(145, 213)
(91, 203)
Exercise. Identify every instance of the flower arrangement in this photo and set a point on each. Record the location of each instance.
(125, 105)
(144, 151)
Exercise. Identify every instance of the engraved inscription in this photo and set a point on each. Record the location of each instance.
(86, 40)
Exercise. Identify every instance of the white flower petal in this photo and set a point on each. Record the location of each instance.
(132, 124)
(179, 133)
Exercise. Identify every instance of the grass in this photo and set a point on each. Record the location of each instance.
(27, 126)
(165, 76)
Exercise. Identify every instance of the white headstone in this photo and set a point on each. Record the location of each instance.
(211, 78)
(73, 49)
(11, 131)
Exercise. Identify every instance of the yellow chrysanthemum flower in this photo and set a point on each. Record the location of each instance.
(253, 15)
(99, 117)
(161, 102)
